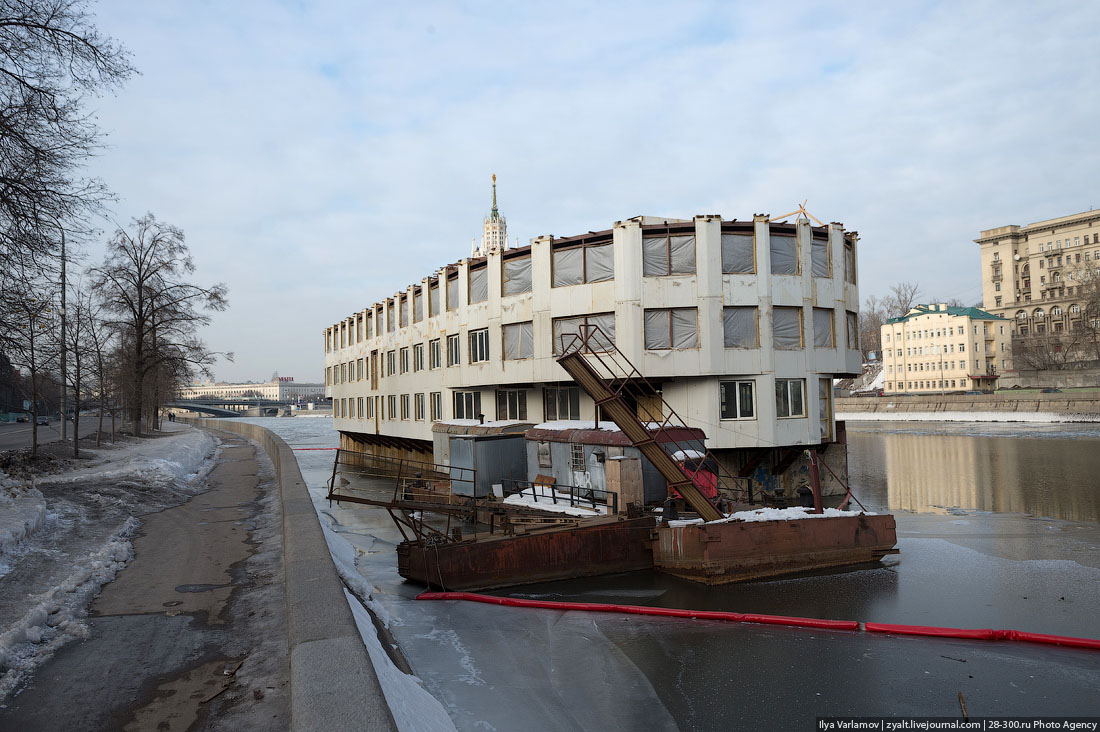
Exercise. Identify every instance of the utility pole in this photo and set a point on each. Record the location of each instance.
(63, 345)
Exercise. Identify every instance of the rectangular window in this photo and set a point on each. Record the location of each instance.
(418, 305)
(404, 406)
(787, 327)
(578, 265)
(433, 299)
(403, 310)
(738, 254)
(849, 261)
(519, 341)
(789, 401)
(391, 363)
(517, 275)
(452, 292)
(512, 404)
(853, 331)
(418, 407)
(595, 332)
(479, 284)
(819, 257)
(351, 408)
(343, 373)
(392, 406)
(436, 399)
(740, 328)
(434, 354)
(824, 336)
(454, 350)
(671, 328)
(784, 251)
(359, 364)
(418, 357)
(405, 360)
(561, 402)
(479, 345)
(824, 407)
(668, 255)
(576, 457)
(467, 404)
(389, 316)
(736, 400)
(361, 414)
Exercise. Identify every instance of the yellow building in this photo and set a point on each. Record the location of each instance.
(942, 348)
(1036, 275)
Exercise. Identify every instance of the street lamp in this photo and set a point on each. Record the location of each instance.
(64, 375)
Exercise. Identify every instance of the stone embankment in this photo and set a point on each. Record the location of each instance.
(1062, 406)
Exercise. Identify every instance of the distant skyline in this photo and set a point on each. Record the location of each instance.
(322, 156)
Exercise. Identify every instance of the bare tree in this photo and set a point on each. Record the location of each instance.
(872, 317)
(153, 309)
(902, 298)
(33, 347)
(81, 346)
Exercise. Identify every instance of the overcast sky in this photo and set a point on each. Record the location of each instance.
(322, 155)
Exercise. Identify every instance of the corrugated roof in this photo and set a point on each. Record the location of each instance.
(972, 313)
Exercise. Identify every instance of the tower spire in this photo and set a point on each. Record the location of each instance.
(495, 214)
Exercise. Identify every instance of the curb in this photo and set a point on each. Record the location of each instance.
(333, 684)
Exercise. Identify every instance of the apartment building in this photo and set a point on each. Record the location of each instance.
(281, 389)
(740, 325)
(1036, 275)
(941, 348)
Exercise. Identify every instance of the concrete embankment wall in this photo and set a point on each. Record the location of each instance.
(1023, 407)
(333, 684)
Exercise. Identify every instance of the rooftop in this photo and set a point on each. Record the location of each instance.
(940, 309)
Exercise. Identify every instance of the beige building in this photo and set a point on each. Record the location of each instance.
(283, 389)
(1035, 275)
(942, 348)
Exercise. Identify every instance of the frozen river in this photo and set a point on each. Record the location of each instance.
(997, 527)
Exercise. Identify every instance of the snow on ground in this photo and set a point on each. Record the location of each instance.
(577, 424)
(413, 708)
(478, 423)
(774, 514)
(1038, 417)
(65, 535)
(543, 497)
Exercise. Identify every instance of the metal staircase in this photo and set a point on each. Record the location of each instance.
(605, 374)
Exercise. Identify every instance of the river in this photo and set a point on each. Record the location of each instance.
(997, 525)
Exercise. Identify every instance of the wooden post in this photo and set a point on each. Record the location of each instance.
(815, 481)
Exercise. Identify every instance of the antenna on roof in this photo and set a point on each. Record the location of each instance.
(802, 210)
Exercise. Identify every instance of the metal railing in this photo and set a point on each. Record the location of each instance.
(409, 476)
(557, 494)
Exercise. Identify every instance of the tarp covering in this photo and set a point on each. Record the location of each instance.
(819, 258)
(599, 263)
(676, 328)
(853, 331)
(517, 275)
(823, 328)
(737, 254)
(655, 256)
(519, 341)
(452, 293)
(389, 318)
(479, 284)
(685, 328)
(433, 299)
(849, 262)
(657, 331)
(787, 327)
(681, 254)
(403, 311)
(668, 255)
(597, 341)
(784, 251)
(568, 266)
(739, 328)
(418, 306)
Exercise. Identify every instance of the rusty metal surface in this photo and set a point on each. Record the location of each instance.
(738, 550)
(602, 546)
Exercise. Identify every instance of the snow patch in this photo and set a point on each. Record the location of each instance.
(343, 556)
(1037, 417)
(543, 498)
(21, 515)
(476, 423)
(682, 455)
(774, 514)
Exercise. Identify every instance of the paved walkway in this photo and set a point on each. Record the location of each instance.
(192, 634)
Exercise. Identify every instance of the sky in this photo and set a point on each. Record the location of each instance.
(320, 156)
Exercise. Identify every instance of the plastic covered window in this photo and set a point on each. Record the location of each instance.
(433, 299)
(479, 284)
(738, 254)
(452, 293)
(675, 329)
(517, 275)
(823, 328)
(598, 332)
(668, 255)
(739, 327)
(819, 257)
(519, 341)
(578, 265)
(418, 305)
(853, 331)
(784, 251)
(787, 327)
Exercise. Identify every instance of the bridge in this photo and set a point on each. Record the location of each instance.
(231, 407)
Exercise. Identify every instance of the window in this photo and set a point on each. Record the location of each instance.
(738, 254)
(436, 399)
(403, 310)
(433, 299)
(467, 404)
(668, 255)
(351, 408)
(454, 350)
(671, 328)
(452, 292)
(849, 261)
(359, 365)
(479, 284)
(736, 400)
(343, 373)
(853, 331)
(819, 257)
(405, 360)
(433, 354)
(389, 316)
(517, 275)
(519, 341)
(392, 406)
(787, 327)
(370, 407)
(578, 265)
(418, 357)
(824, 407)
(824, 335)
(512, 404)
(391, 363)
(576, 457)
(418, 406)
(596, 331)
(404, 406)
(561, 402)
(789, 401)
(740, 328)
(418, 304)
(784, 251)
(479, 345)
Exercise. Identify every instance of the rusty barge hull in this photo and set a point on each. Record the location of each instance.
(736, 551)
(599, 547)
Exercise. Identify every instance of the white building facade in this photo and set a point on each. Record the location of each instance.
(280, 390)
(741, 325)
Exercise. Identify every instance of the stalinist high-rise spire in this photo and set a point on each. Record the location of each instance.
(494, 233)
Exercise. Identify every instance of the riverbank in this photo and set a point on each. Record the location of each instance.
(997, 407)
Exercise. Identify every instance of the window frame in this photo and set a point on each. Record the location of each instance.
(478, 345)
(737, 399)
(785, 405)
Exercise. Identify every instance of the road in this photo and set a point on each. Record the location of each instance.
(16, 435)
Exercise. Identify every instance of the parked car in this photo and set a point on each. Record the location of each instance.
(41, 419)
(974, 392)
(22, 418)
(1050, 390)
